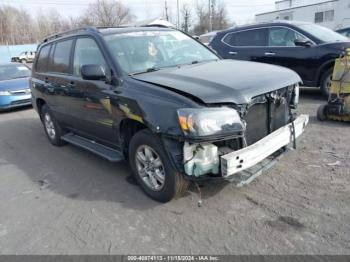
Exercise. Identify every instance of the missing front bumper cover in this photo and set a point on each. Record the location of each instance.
(252, 155)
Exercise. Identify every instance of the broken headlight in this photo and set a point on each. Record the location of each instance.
(199, 122)
(295, 96)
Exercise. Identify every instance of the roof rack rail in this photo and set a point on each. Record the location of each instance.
(111, 27)
(68, 32)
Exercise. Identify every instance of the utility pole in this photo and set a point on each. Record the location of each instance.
(178, 14)
(210, 17)
(166, 11)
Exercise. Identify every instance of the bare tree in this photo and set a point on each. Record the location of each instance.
(15, 25)
(202, 25)
(186, 13)
(218, 16)
(19, 27)
(107, 13)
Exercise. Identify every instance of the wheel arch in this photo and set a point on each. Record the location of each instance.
(127, 129)
(323, 68)
(39, 105)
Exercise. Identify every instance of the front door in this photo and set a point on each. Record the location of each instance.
(282, 51)
(94, 110)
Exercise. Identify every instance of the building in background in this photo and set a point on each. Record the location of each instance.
(334, 14)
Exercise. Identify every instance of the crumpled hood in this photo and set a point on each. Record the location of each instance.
(14, 84)
(223, 81)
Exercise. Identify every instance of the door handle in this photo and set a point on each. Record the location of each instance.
(232, 53)
(270, 54)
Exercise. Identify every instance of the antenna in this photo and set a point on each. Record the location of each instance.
(166, 10)
(178, 14)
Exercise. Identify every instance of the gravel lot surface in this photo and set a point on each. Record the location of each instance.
(68, 201)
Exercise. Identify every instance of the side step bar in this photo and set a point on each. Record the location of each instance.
(90, 145)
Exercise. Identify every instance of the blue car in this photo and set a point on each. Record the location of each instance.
(14, 86)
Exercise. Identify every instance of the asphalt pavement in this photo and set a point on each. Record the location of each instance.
(64, 200)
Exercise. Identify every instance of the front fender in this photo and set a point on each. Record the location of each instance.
(153, 106)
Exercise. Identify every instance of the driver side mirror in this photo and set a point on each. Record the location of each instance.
(93, 72)
(303, 42)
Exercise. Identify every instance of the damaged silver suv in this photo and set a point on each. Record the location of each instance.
(166, 103)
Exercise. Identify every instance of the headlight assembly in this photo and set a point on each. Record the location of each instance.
(199, 122)
(295, 96)
(5, 93)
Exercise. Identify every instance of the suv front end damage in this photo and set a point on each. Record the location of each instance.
(247, 142)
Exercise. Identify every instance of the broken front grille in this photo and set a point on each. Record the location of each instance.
(264, 118)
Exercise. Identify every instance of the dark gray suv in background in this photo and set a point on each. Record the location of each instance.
(308, 49)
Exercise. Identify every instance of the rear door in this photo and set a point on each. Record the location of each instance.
(39, 79)
(282, 51)
(60, 85)
(247, 44)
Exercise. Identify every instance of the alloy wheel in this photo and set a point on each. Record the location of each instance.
(150, 168)
(49, 125)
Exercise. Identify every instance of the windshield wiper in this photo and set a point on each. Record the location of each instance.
(199, 61)
(148, 70)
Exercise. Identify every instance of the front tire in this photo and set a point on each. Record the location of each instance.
(152, 168)
(322, 113)
(52, 128)
(326, 82)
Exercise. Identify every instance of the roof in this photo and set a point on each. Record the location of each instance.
(104, 31)
(263, 24)
(121, 30)
(343, 29)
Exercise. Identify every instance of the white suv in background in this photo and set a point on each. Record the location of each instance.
(24, 57)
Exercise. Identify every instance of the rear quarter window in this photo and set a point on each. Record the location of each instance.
(43, 59)
(255, 37)
(60, 62)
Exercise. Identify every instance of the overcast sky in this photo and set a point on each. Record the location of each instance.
(239, 11)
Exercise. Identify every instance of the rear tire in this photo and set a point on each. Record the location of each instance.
(321, 113)
(146, 173)
(52, 128)
(326, 82)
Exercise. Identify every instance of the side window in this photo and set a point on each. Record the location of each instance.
(87, 52)
(256, 37)
(43, 59)
(61, 57)
(280, 36)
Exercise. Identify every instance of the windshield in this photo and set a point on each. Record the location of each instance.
(138, 52)
(322, 33)
(8, 72)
